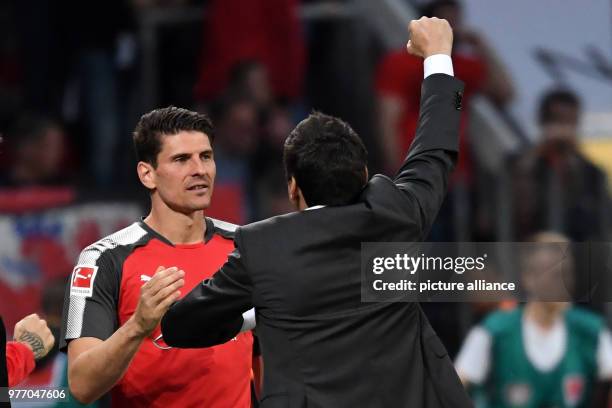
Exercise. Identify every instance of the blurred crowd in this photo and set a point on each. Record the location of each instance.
(71, 90)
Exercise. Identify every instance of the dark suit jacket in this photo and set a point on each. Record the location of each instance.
(323, 346)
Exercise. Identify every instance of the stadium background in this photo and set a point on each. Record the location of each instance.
(75, 77)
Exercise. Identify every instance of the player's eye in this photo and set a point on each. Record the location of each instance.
(206, 156)
(181, 159)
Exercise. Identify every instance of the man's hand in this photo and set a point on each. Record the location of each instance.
(430, 36)
(34, 333)
(156, 296)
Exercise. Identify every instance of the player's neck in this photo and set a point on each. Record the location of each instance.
(543, 314)
(177, 227)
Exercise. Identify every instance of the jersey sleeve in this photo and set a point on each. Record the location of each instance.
(19, 362)
(90, 304)
(604, 355)
(474, 358)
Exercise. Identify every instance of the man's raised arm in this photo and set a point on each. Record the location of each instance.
(433, 154)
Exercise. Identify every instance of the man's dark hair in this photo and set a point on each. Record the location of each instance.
(327, 159)
(554, 97)
(430, 9)
(166, 122)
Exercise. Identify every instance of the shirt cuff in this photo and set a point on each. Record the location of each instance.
(438, 64)
(249, 320)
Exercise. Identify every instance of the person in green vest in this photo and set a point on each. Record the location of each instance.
(540, 354)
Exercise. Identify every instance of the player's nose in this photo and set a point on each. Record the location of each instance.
(198, 168)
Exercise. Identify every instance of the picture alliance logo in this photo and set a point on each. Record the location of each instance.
(412, 264)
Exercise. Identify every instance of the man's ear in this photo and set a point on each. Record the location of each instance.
(367, 174)
(292, 190)
(146, 174)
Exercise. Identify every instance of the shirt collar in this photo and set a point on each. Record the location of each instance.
(314, 207)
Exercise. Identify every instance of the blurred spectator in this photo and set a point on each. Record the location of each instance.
(250, 80)
(11, 71)
(38, 147)
(272, 193)
(399, 77)
(271, 185)
(547, 353)
(237, 137)
(555, 185)
(269, 31)
(98, 35)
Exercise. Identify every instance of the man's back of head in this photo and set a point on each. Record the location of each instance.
(327, 159)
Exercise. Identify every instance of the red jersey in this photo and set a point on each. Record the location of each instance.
(401, 74)
(19, 362)
(104, 292)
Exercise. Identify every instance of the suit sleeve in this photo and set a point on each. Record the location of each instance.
(19, 362)
(211, 313)
(423, 177)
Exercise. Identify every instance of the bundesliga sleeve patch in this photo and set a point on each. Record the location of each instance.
(82, 281)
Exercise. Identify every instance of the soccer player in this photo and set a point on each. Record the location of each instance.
(117, 293)
(545, 354)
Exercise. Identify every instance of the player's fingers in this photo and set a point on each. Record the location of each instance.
(168, 290)
(163, 279)
(168, 280)
(155, 276)
(50, 340)
(168, 301)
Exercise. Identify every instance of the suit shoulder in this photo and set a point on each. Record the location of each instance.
(267, 224)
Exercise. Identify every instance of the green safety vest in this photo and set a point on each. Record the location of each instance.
(514, 382)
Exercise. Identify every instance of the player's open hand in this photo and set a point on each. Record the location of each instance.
(34, 333)
(430, 36)
(156, 296)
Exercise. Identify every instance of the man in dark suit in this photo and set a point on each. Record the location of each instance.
(323, 346)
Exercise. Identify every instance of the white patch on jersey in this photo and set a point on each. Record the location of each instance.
(145, 278)
(82, 280)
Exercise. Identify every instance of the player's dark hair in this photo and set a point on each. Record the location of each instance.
(327, 159)
(552, 98)
(166, 122)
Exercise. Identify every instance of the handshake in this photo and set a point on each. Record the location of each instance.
(430, 36)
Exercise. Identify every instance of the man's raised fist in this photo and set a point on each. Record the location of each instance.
(430, 36)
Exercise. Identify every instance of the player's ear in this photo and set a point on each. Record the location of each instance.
(146, 174)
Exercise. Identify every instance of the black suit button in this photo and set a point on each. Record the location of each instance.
(459, 100)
